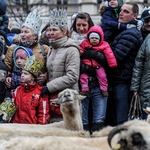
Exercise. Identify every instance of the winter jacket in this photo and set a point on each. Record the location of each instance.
(4, 21)
(36, 48)
(32, 109)
(63, 65)
(125, 48)
(110, 24)
(16, 78)
(141, 73)
(103, 47)
(3, 7)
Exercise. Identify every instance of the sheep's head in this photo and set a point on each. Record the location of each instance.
(67, 99)
(130, 137)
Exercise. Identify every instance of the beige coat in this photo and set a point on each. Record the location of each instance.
(36, 50)
(63, 64)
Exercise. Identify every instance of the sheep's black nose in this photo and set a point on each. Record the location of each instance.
(67, 94)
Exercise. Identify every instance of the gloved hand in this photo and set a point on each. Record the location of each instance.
(44, 91)
(131, 26)
(139, 24)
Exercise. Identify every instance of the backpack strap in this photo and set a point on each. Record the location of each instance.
(43, 52)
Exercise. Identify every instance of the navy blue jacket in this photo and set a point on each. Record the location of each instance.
(4, 17)
(109, 23)
(125, 47)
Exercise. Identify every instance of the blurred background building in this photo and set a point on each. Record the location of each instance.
(17, 10)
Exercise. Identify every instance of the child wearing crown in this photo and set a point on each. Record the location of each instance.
(32, 109)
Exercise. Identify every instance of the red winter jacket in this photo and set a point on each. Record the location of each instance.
(103, 47)
(32, 109)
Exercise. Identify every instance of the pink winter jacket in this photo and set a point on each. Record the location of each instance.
(103, 47)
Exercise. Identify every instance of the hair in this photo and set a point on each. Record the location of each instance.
(135, 7)
(83, 15)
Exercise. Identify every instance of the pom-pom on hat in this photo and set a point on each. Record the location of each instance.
(23, 52)
(94, 35)
(33, 66)
(33, 21)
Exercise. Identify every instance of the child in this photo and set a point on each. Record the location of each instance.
(32, 109)
(3, 74)
(95, 41)
(20, 55)
(109, 21)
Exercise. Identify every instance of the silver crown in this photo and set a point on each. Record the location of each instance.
(33, 21)
(58, 18)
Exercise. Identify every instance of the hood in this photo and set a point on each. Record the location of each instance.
(98, 30)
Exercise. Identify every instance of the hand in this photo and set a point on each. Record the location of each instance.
(41, 79)
(131, 26)
(139, 24)
(8, 82)
(44, 91)
(135, 93)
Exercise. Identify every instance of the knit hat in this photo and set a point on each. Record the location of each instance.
(33, 21)
(145, 13)
(94, 35)
(21, 51)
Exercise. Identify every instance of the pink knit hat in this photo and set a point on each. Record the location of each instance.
(21, 53)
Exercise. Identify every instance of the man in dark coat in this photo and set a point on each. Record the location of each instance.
(125, 47)
(146, 19)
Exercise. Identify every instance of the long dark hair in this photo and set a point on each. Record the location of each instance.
(82, 15)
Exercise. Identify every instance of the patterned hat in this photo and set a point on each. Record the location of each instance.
(33, 21)
(23, 52)
(58, 18)
(33, 66)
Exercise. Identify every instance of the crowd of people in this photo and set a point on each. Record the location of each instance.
(107, 63)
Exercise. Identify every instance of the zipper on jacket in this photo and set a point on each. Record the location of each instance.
(32, 100)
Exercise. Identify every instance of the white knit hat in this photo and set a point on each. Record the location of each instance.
(94, 35)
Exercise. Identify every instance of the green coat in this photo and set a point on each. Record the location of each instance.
(141, 73)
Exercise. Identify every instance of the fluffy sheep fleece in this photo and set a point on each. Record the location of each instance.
(58, 136)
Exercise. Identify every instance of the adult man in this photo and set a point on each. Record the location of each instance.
(125, 47)
(146, 19)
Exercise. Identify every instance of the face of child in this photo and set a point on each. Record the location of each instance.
(20, 61)
(27, 77)
(94, 41)
(113, 3)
